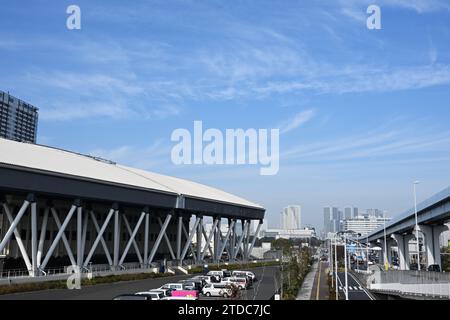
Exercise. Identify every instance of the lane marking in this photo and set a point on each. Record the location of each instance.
(365, 291)
(318, 282)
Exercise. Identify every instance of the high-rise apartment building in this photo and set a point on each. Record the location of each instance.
(332, 219)
(18, 119)
(291, 217)
(363, 225)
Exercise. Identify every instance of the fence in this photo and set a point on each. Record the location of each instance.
(408, 283)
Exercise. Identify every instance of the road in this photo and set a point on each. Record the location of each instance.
(320, 289)
(262, 290)
(355, 290)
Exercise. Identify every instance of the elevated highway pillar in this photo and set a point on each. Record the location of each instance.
(390, 243)
(432, 234)
(403, 249)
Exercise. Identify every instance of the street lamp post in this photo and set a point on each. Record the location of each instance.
(331, 260)
(367, 252)
(417, 225)
(385, 242)
(336, 267)
(345, 267)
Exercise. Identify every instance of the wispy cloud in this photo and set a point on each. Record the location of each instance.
(151, 157)
(296, 121)
(242, 61)
(356, 8)
(375, 144)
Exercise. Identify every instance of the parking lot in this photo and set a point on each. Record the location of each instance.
(263, 289)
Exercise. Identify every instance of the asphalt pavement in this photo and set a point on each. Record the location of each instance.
(320, 290)
(263, 289)
(355, 290)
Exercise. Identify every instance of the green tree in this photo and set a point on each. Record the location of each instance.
(283, 244)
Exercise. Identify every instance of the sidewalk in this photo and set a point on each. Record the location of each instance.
(305, 291)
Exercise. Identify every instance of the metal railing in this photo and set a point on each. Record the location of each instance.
(98, 269)
(408, 283)
(24, 273)
(412, 277)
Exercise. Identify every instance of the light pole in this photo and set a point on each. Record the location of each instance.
(336, 267)
(345, 266)
(331, 260)
(385, 243)
(417, 225)
(367, 252)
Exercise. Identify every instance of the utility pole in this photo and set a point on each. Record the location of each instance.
(336, 267)
(345, 267)
(331, 261)
(282, 279)
(417, 225)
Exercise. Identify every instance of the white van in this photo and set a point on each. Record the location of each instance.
(151, 295)
(215, 273)
(239, 282)
(217, 290)
(173, 286)
(248, 274)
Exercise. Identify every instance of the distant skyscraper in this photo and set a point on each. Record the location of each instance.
(355, 212)
(374, 213)
(348, 213)
(331, 219)
(326, 220)
(291, 218)
(18, 119)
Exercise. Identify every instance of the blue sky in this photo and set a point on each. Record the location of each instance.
(363, 112)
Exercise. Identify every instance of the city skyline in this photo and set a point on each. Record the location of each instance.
(354, 115)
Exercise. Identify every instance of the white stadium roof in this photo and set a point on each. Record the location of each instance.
(57, 162)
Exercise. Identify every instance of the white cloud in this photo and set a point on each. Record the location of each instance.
(297, 120)
(379, 144)
(151, 157)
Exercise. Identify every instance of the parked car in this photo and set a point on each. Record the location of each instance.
(165, 292)
(241, 282)
(199, 282)
(191, 285)
(172, 286)
(206, 279)
(215, 273)
(247, 274)
(226, 273)
(181, 290)
(434, 268)
(217, 290)
(132, 297)
(151, 295)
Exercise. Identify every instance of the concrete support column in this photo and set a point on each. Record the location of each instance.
(401, 250)
(437, 231)
(427, 232)
(432, 247)
(390, 243)
(406, 240)
(383, 257)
